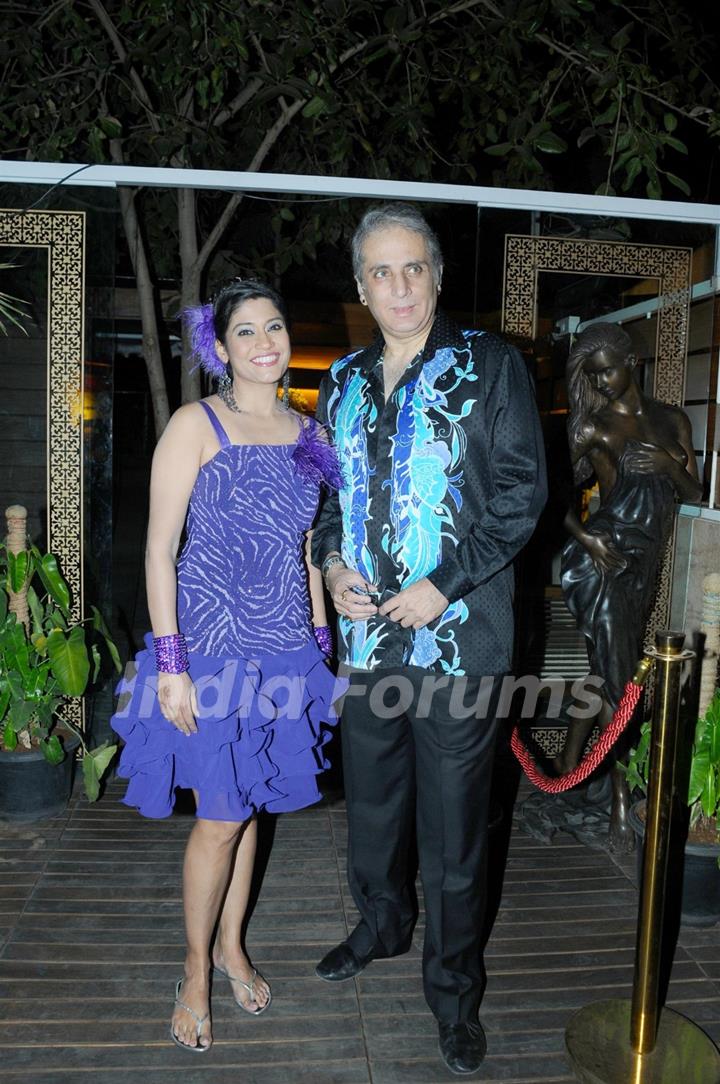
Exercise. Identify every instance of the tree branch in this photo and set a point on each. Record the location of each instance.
(271, 136)
(616, 133)
(122, 55)
(580, 59)
(249, 91)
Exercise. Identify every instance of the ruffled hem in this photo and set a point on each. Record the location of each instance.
(262, 724)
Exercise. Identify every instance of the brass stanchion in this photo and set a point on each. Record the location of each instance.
(633, 1042)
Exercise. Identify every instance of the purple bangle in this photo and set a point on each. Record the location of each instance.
(323, 638)
(171, 656)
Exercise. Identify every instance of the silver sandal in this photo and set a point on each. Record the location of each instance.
(199, 1021)
(250, 987)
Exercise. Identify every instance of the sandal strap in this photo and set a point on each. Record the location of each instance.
(199, 1020)
(249, 986)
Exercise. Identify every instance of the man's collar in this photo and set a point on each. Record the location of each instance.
(444, 332)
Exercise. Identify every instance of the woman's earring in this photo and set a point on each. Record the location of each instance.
(226, 379)
(286, 389)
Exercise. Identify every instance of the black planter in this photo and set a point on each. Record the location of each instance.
(32, 789)
(700, 905)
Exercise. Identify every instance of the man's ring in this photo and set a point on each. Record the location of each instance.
(343, 594)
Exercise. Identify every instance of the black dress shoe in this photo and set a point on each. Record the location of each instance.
(463, 1046)
(342, 963)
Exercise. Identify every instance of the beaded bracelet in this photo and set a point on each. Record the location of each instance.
(323, 638)
(171, 655)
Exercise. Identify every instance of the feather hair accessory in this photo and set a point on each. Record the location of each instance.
(315, 460)
(200, 327)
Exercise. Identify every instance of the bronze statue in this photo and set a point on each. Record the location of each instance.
(640, 450)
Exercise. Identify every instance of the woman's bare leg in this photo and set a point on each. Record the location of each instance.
(206, 871)
(228, 953)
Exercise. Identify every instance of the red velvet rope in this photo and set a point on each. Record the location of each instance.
(592, 760)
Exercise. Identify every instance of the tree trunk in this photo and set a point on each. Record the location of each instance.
(190, 286)
(148, 312)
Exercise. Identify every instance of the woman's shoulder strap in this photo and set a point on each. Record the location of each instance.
(220, 433)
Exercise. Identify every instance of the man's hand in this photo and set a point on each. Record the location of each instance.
(340, 581)
(415, 606)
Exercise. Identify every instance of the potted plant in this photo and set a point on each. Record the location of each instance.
(45, 658)
(701, 881)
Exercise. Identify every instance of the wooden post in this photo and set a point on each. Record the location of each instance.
(16, 517)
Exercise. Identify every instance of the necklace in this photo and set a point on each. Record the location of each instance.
(225, 392)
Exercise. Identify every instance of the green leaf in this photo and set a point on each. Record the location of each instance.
(499, 149)
(100, 626)
(550, 143)
(52, 749)
(4, 699)
(35, 609)
(670, 122)
(96, 660)
(53, 582)
(94, 765)
(3, 605)
(111, 126)
(653, 188)
(18, 564)
(609, 115)
(713, 728)
(286, 214)
(699, 771)
(676, 144)
(20, 714)
(69, 660)
(315, 107)
(558, 110)
(16, 685)
(708, 798)
(621, 39)
(633, 169)
(678, 182)
(9, 738)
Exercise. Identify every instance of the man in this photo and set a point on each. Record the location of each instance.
(438, 436)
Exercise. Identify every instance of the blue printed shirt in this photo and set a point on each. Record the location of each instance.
(445, 480)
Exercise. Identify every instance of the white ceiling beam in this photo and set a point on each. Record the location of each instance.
(517, 199)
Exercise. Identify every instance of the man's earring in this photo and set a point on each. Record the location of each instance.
(362, 300)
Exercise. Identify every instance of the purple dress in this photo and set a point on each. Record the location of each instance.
(265, 693)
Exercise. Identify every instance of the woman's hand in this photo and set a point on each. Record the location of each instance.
(605, 554)
(651, 459)
(355, 604)
(178, 702)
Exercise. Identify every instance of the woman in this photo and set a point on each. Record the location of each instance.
(243, 691)
(641, 453)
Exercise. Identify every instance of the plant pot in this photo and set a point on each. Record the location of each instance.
(32, 789)
(700, 904)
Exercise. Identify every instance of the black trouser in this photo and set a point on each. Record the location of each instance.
(421, 763)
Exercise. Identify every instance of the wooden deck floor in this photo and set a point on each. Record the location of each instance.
(90, 928)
